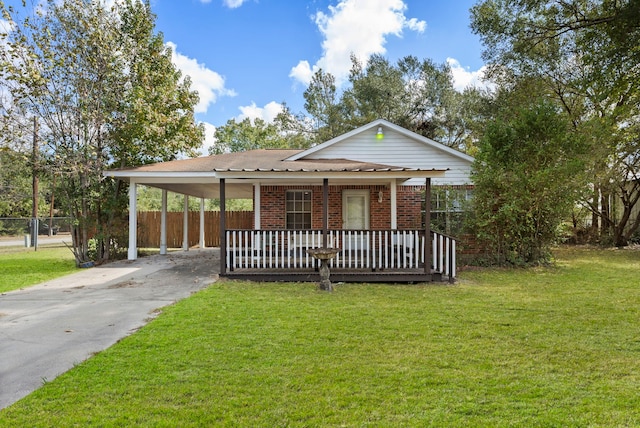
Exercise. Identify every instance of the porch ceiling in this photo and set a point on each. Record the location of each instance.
(207, 190)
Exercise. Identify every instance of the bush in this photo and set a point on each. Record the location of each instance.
(525, 183)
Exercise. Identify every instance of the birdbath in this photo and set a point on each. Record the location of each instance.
(324, 255)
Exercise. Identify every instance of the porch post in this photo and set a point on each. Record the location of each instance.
(394, 205)
(427, 226)
(256, 206)
(163, 224)
(223, 228)
(325, 212)
(185, 224)
(202, 223)
(132, 253)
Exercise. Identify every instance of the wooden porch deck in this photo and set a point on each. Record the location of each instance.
(337, 275)
(364, 255)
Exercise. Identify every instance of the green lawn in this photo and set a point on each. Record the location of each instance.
(22, 267)
(542, 347)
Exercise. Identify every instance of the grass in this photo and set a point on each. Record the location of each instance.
(542, 347)
(22, 267)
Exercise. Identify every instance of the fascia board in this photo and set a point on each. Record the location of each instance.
(301, 175)
(160, 177)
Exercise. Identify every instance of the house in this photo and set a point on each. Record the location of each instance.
(366, 192)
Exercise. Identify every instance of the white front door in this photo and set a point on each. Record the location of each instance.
(355, 216)
(355, 209)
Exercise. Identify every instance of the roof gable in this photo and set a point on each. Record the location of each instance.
(367, 135)
(399, 147)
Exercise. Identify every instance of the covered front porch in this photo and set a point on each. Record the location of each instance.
(383, 254)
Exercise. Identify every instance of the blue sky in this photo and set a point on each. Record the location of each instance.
(245, 57)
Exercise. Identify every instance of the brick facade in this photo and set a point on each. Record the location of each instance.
(409, 205)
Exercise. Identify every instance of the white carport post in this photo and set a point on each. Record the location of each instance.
(132, 253)
(394, 205)
(185, 224)
(163, 224)
(202, 223)
(223, 227)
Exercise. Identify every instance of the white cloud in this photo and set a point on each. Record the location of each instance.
(358, 27)
(209, 138)
(209, 84)
(302, 72)
(418, 26)
(231, 4)
(267, 113)
(463, 78)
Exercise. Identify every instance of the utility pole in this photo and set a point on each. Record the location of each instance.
(34, 211)
(53, 198)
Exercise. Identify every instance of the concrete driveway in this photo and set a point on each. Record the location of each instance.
(46, 329)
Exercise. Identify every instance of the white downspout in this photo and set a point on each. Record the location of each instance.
(132, 253)
(163, 224)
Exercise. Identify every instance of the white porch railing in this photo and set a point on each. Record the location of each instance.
(361, 249)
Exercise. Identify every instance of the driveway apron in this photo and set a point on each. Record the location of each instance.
(48, 328)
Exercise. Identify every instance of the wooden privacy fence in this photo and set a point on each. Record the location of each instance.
(149, 227)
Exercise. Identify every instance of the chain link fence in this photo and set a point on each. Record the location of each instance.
(47, 226)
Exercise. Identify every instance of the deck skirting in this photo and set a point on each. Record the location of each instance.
(292, 275)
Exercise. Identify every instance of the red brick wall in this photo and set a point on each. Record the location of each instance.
(409, 207)
(380, 211)
(273, 214)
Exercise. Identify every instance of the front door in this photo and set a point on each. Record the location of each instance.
(355, 209)
(355, 216)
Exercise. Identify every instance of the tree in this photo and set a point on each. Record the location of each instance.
(106, 94)
(15, 184)
(250, 134)
(417, 95)
(246, 135)
(58, 65)
(525, 179)
(377, 92)
(16, 163)
(587, 51)
(154, 116)
(322, 104)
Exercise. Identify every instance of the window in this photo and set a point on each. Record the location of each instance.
(448, 208)
(298, 206)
